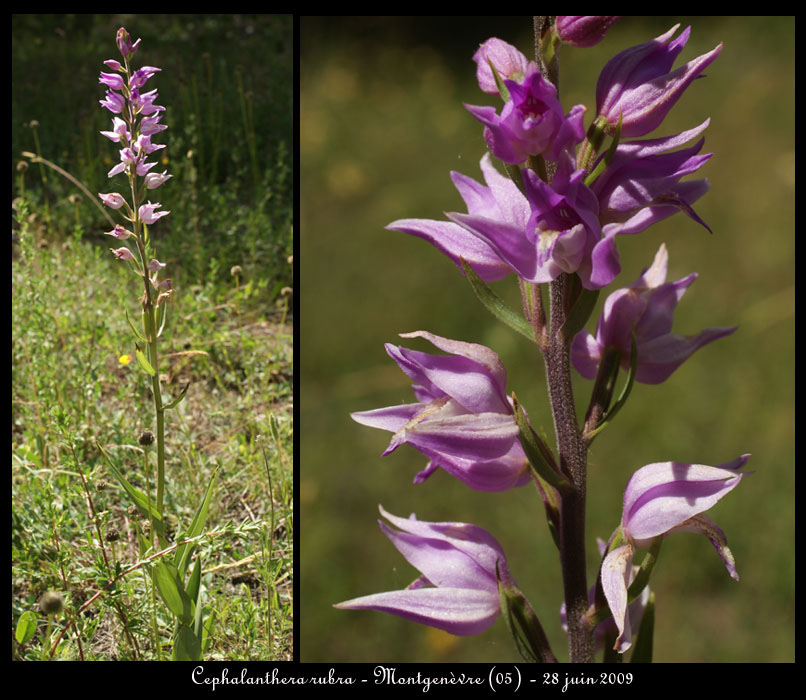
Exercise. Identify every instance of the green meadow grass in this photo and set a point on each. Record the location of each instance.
(226, 83)
(382, 124)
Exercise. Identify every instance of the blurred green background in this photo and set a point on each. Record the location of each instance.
(381, 126)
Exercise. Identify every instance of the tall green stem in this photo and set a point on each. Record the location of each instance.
(149, 319)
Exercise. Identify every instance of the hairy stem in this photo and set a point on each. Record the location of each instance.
(571, 448)
(572, 453)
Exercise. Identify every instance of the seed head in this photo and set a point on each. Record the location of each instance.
(51, 603)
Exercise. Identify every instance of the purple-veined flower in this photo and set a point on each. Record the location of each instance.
(561, 232)
(642, 185)
(142, 168)
(463, 420)
(509, 63)
(119, 133)
(639, 86)
(645, 175)
(122, 253)
(154, 180)
(113, 200)
(499, 202)
(119, 232)
(112, 80)
(647, 307)
(530, 122)
(583, 31)
(143, 145)
(661, 499)
(113, 102)
(148, 214)
(127, 158)
(141, 75)
(458, 589)
(155, 265)
(144, 102)
(151, 125)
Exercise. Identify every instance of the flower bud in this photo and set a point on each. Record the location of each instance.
(583, 31)
(146, 438)
(123, 253)
(125, 43)
(51, 603)
(113, 200)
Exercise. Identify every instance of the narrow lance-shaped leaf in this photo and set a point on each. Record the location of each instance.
(143, 361)
(524, 625)
(137, 333)
(538, 453)
(495, 305)
(194, 582)
(175, 402)
(580, 312)
(162, 317)
(172, 592)
(590, 177)
(207, 631)
(184, 551)
(137, 497)
(623, 396)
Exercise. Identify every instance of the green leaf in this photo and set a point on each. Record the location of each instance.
(137, 333)
(499, 82)
(514, 173)
(144, 363)
(187, 646)
(623, 396)
(172, 592)
(643, 645)
(175, 402)
(523, 624)
(194, 582)
(495, 305)
(143, 543)
(591, 176)
(538, 453)
(580, 312)
(207, 631)
(26, 627)
(162, 316)
(137, 497)
(184, 551)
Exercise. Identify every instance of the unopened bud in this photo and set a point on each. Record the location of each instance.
(146, 438)
(51, 603)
